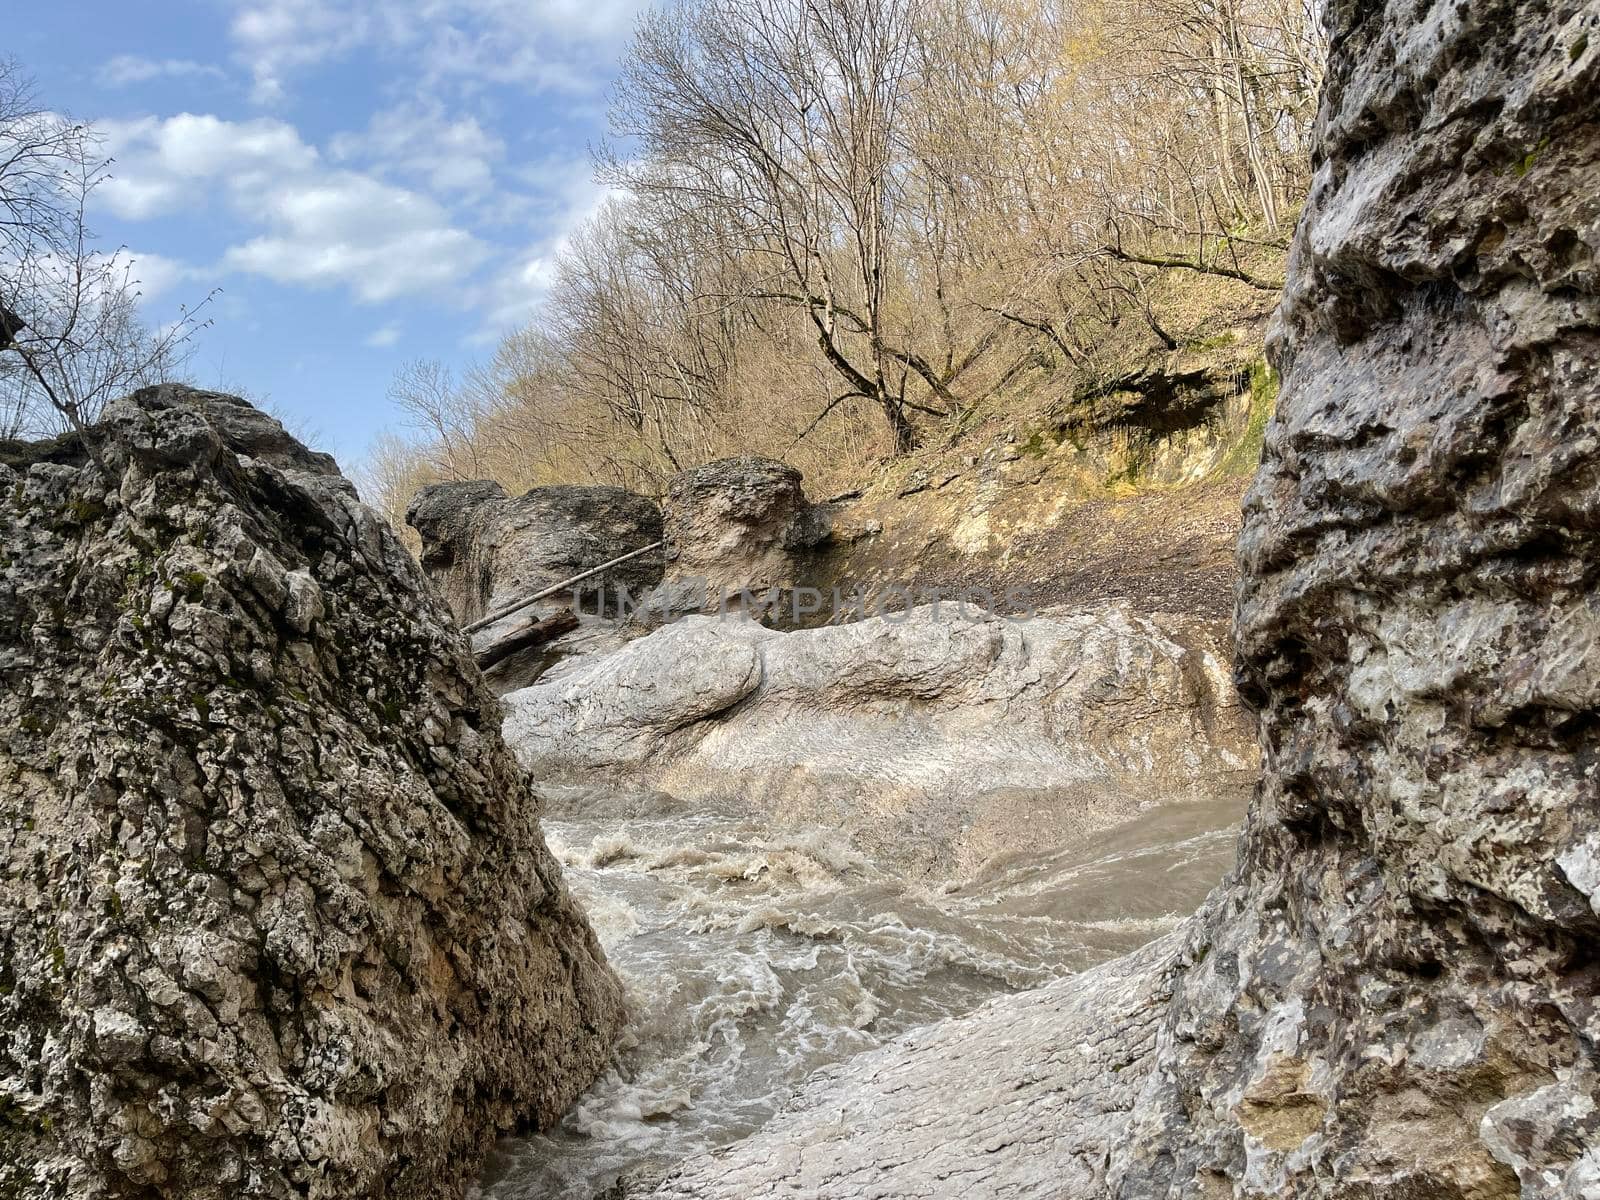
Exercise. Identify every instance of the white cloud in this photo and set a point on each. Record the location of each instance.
(420, 142)
(320, 226)
(512, 296)
(156, 274)
(127, 69)
(599, 20)
(382, 339)
(540, 44)
(564, 185)
(380, 241)
(160, 164)
(407, 203)
(276, 37)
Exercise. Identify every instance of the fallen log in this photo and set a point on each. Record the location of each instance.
(527, 635)
(502, 613)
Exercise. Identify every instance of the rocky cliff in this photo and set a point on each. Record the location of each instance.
(1395, 992)
(277, 919)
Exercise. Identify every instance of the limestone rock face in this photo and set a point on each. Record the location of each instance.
(485, 549)
(1398, 991)
(938, 739)
(732, 524)
(277, 917)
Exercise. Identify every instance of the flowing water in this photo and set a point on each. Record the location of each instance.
(752, 958)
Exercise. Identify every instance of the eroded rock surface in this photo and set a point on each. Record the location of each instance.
(1398, 992)
(1027, 1096)
(485, 550)
(939, 739)
(1394, 995)
(731, 525)
(278, 919)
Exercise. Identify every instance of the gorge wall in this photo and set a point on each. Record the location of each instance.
(1395, 992)
(278, 919)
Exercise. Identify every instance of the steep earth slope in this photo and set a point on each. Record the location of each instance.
(277, 919)
(1395, 992)
(1125, 489)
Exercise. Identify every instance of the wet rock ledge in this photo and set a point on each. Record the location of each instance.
(277, 917)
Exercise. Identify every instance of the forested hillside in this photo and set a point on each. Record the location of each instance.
(838, 230)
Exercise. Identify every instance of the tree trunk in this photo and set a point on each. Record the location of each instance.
(900, 431)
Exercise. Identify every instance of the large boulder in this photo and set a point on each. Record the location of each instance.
(737, 524)
(485, 550)
(277, 919)
(1395, 993)
(447, 518)
(938, 738)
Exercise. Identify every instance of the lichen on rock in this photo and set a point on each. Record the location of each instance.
(278, 919)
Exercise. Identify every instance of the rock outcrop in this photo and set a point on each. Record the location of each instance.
(485, 550)
(938, 738)
(731, 525)
(1395, 993)
(448, 518)
(277, 919)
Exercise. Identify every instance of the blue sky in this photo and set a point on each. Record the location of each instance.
(367, 181)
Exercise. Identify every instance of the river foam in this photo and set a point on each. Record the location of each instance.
(753, 959)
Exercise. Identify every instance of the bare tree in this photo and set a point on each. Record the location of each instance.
(847, 224)
(69, 323)
(650, 336)
(445, 414)
(771, 125)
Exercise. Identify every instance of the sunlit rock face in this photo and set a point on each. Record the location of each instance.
(277, 916)
(736, 521)
(737, 525)
(1396, 996)
(938, 738)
